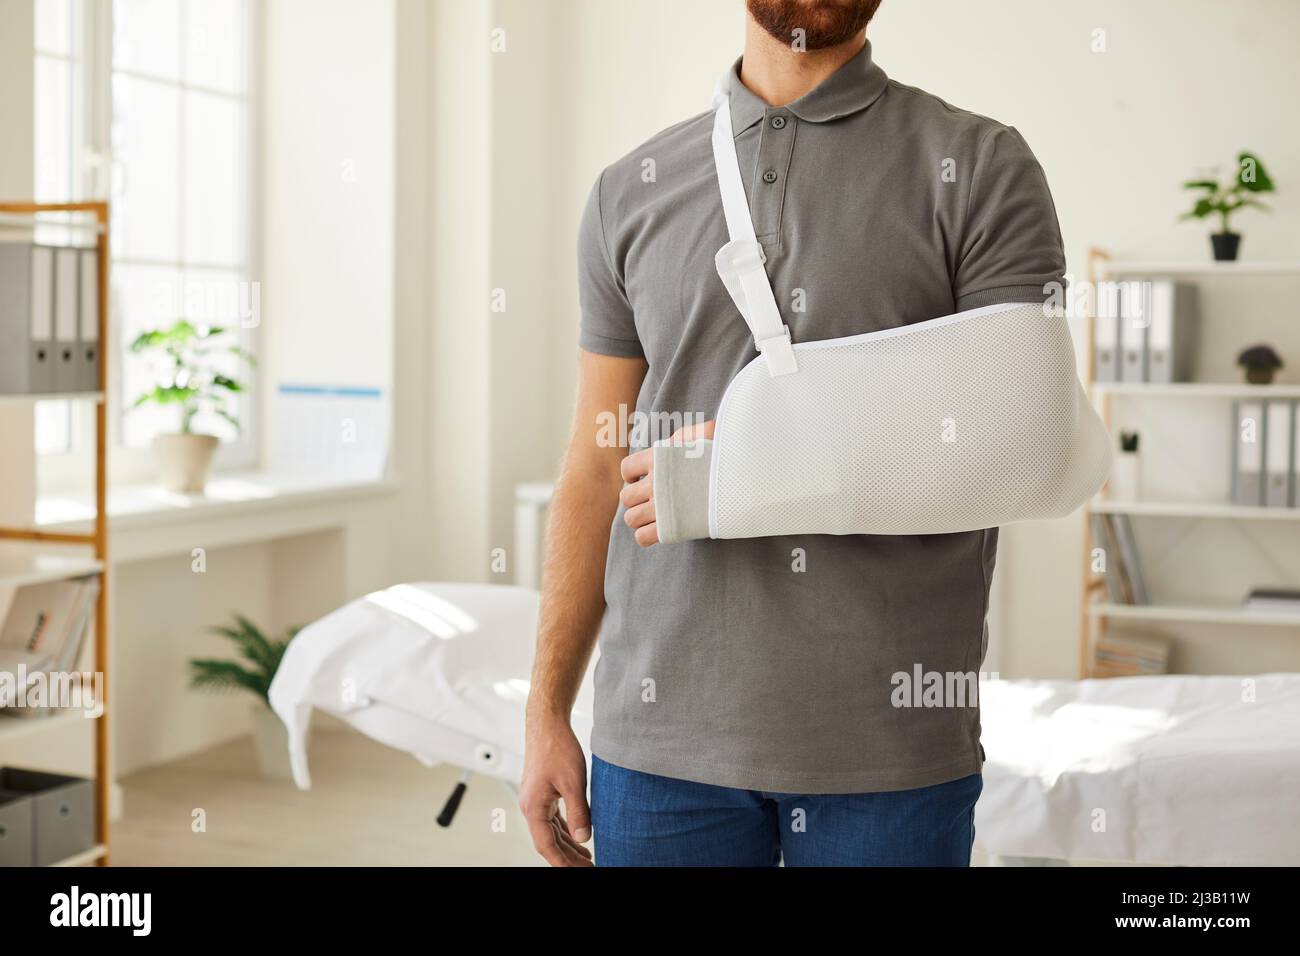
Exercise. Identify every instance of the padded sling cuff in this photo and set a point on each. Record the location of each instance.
(964, 422)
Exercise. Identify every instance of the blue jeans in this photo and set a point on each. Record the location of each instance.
(642, 819)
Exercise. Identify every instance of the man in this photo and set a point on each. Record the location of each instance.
(747, 692)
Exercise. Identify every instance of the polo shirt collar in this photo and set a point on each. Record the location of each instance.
(852, 88)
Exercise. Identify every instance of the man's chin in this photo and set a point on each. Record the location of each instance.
(812, 24)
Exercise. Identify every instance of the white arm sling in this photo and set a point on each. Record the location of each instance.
(958, 423)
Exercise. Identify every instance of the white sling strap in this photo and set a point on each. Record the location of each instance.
(740, 261)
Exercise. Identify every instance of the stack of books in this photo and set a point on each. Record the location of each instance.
(1282, 601)
(1130, 655)
(43, 634)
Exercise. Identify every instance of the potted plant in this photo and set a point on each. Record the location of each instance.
(189, 360)
(1223, 199)
(1125, 483)
(263, 656)
(1260, 363)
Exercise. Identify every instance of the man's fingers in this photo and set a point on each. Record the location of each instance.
(647, 535)
(635, 493)
(640, 515)
(569, 841)
(545, 841)
(553, 842)
(636, 466)
(691, 432)
(572, 854)
(577, 815)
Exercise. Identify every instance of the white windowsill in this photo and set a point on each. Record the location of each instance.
(231, 494)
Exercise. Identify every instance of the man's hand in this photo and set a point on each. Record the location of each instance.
(637, 495)
(555, 769)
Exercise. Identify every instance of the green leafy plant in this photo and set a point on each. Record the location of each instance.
(262, 654)
(188, 370)
(1225, 198)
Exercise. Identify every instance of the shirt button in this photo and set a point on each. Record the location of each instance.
(778, 122)
(769, 176)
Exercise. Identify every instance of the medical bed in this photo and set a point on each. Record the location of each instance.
(1179, 770)
(438, 670)
(1174, 770)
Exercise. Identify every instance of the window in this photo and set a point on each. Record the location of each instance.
(164, 88)
(181, 242)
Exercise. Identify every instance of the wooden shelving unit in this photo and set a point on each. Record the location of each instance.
(28, 555)
(1095, 611)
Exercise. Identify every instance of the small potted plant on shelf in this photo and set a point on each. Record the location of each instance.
(190, 360)
(1261, 364)
(1125, 481)
(263, 656)
(1223, 199)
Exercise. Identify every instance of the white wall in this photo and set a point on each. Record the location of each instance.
(327, 193)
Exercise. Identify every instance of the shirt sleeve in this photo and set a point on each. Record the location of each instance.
(1011, 244)
(607, 326)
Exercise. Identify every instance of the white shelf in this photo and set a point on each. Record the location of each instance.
(1197, 390)
(85, 859)
(10, 399)
(1158, 267)
(1206, 614)
(14, 728)
(228, 495)
(1192, 509)
(23, 563)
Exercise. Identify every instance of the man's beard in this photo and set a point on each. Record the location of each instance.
(824, 23)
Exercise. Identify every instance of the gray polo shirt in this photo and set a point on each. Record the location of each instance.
(800, 664)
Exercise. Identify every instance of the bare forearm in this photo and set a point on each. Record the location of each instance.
(573, 592)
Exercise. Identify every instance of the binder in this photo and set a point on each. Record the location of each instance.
(66, 274)
(1277, 454)
(1103, 538)
(1134, 580)
(1171, 334)
(1295, 455)
(1248, 455)
(26, 318)
(1105, 335)
(1134, 313)
(88, 332)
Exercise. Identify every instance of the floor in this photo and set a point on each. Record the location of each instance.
(368, 806)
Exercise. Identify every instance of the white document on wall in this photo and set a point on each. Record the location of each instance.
(333, 433)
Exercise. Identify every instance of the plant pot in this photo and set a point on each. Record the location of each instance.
(184, 461)
(1259, 375)
(1225, 246)
(271, 741)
